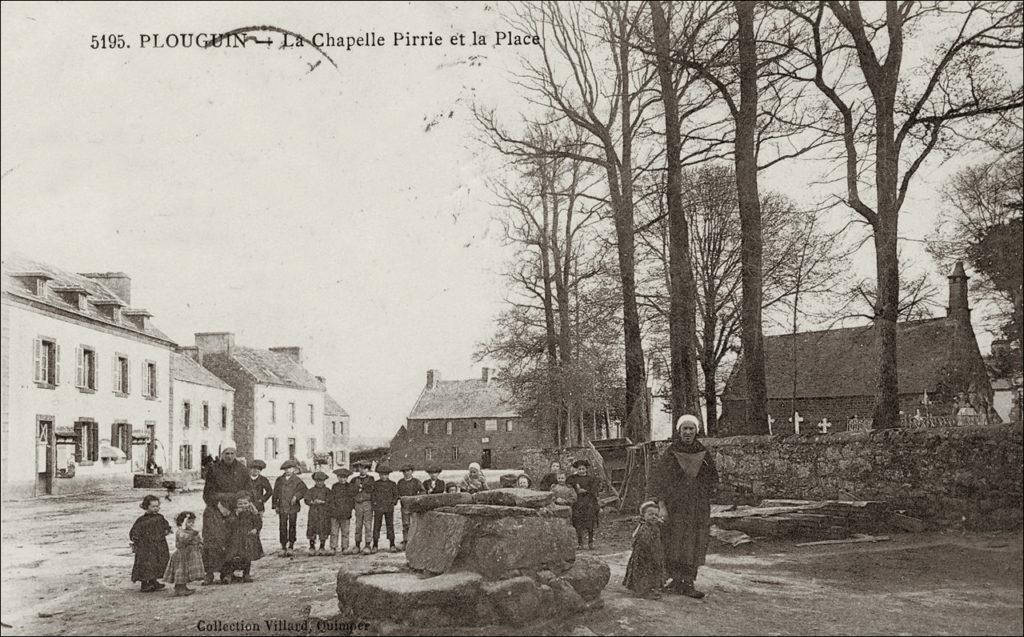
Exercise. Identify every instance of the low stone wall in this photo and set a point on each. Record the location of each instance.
(537, 462)
(970, 476)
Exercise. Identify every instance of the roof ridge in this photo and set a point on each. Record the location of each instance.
(834, 330)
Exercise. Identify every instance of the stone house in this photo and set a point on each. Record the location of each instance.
(828, 377)
(84, 381)
(201, 407)
(337, 430)
(278, 405)
(456, 422)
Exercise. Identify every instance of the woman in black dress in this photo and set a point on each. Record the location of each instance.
(149, 543)
(586, 510)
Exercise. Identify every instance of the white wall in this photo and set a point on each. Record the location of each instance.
(283, 429)
(196, 435)
(67, 403)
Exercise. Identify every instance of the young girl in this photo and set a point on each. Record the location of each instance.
(564, 494)
(149, 543)
(244, 546)
(523, 482)
(586, 510)
(186, 564)
(645, 572)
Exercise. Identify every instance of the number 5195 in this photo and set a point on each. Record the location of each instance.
(108, 41)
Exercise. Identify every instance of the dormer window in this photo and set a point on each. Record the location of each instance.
(73, 295)
(109, 309)
(138, 318)
(36, 283)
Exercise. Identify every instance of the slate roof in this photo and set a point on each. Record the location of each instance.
(844, 362)
(185, 369)
(273, 368)
(60, 279)
(474, 398)
(331, 406)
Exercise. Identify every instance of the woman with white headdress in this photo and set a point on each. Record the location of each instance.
(683, 481)
(474, 480)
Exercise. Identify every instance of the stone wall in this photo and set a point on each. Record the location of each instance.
(950, 476)
(537, 462)
(466, 443)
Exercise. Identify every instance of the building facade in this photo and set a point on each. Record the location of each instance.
(337, 431)
(84, 379)
(456, 422)
(824, 379)
(201, 413)
(278, 405)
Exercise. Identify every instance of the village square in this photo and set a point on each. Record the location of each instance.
(532, 318)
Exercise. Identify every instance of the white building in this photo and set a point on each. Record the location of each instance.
(201, 416)
(337, 431)
(279, 406)
(84, 381)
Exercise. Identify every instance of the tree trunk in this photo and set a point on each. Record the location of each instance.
(887, 402)
(682, 292)
(751, 338)
(710, 399)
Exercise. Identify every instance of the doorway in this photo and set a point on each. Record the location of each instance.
(46, 456)
(485, 459)
(291, 448)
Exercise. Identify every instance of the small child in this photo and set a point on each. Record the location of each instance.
(564, 494)
(452, 488)
(149, 543)
(383, 498)
(645, 572)
(434, 484)
(318, 523)
(186, 564)
(341, 504)
(244, 546)
(523, 482)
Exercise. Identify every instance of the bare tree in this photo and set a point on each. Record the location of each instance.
(898, 111)
(594, 81)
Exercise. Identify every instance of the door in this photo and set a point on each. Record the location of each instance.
(485, 459)
(291, 448)
(46, 457)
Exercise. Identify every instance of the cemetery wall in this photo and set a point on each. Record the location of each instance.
(970, 475)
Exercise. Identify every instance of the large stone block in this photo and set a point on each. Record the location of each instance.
(514, 497)
(420, 503)
(396, 595)
(518, 600)
(436, 541)
(588, 576)
(489, 511)
(501, 545)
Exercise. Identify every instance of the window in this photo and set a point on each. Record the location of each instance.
(491, 424)
(86, 377)
(334, 427)
(508, 425)
(448, 427)
(270, 448)
(291, 412)
(341, 428)
(455, 453)
(426, 427)
(312, 415)
(87, 447)
(122, 380)
(273, 411)
(223, 416)
(206, 415)
(46, 353)
(428, 454)
(121, 437)
(185, 457)
(186, 414)
(149, 380)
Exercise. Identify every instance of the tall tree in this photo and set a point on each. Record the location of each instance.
(897, 109)
(590, 76)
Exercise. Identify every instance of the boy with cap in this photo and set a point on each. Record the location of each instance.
(435, 484)
(341, 504)
(259, 486)
(318, 521)
(361, 485)
(289, 490)
(384, 497)
(407, 485)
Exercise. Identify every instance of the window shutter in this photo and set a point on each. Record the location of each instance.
(56, 364)
(94, 442)
(113, 435)
(79, 446)
(80, 367)
(129, 442)
(128, 376)
(37, 357)
(115, 374)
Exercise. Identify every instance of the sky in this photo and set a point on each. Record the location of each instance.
(266, 192)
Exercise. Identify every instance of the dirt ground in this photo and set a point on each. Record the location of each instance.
(66, 567)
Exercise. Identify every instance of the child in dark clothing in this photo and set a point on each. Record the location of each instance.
(287, 501)
(318, 524)
(149, 543)
(341, 503)
(384, 497)
(408, 485)
(645, 572)
(434, 483)
(244, 545)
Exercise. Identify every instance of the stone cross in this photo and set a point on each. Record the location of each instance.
(771, 421)
(796, 420)
(824, 425)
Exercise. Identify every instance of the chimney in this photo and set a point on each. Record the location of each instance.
(214, 343)
(117, 282)
(958, 307)
(433, 377)
(292, 352)
(486, 374)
